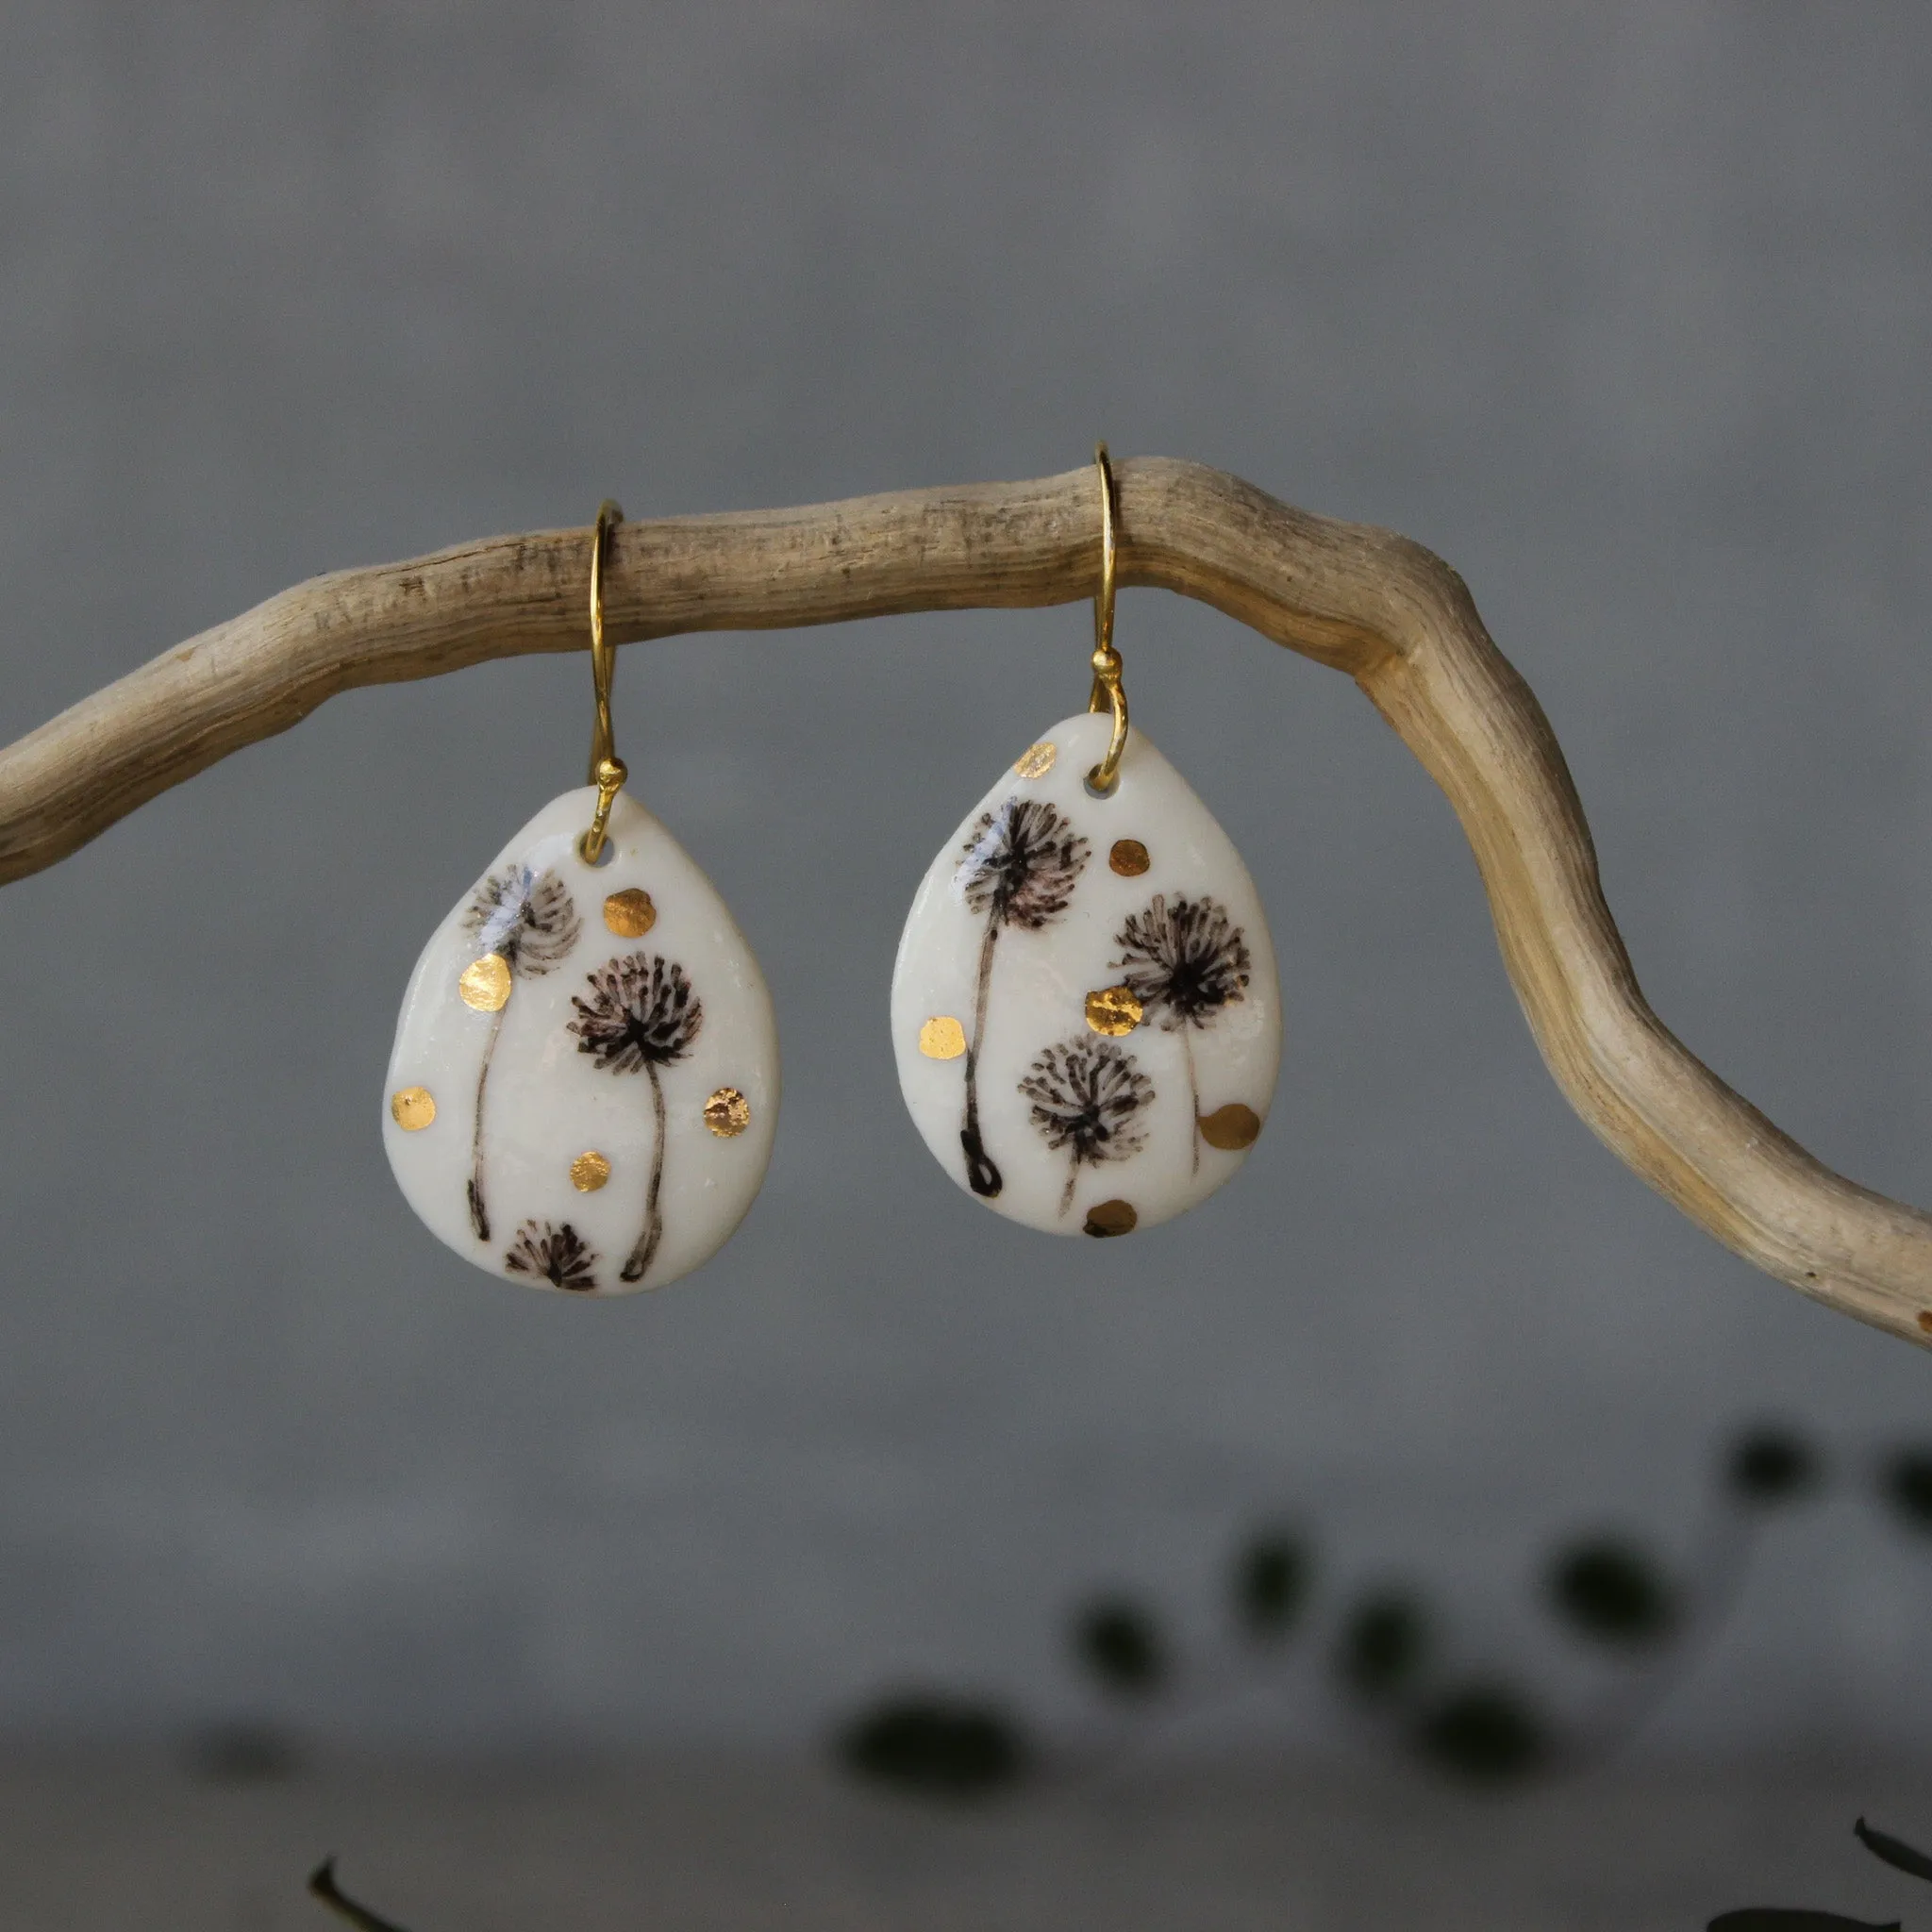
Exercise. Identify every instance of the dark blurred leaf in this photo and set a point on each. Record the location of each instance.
(1771, 1919)
(1611, 1591)
(1894, 1851)
(1487, 1733)
(1121, 1644)
(1771, 1464)
(1385, 1639)
(1905, 1483)
(243, 1753)
(1271, 1585)
(322, 1883)
(937, 1747)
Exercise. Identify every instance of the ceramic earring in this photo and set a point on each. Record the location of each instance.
(1084, 1005)
(585, 1078)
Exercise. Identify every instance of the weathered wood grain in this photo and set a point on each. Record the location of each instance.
(1394, 616)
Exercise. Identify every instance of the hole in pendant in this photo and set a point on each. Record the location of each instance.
(604, 857)
(1095, 790)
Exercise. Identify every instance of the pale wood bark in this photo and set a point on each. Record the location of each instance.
(1394, 616)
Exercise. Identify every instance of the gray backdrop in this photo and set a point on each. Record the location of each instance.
(1624, 309)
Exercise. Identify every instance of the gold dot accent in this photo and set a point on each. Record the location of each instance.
(485, 983)
(1036, 761)
(589, 1172)
(1129, 857)
(942, 1038)
(629, 914)
(1113, 1010)
(1231, 1128)
(727, 1112)
(1925, 1320)
(412, 1108)
(1111, 1216)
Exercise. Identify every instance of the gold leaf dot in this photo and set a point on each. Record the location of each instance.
(485, 983)
(1113, 1010)
(1231, 1128)
(942, 1038)
(1036, 761)
(1111, 1216)
(629, 914)
(412, 1108)
(589, 1172)
(1129, 857)
(727, 1112)
(1925, 1320)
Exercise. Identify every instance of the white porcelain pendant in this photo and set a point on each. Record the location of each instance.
(585, 1078)
(1084, 1006)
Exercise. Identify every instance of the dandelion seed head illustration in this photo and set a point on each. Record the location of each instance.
(642, 1011)
(1086, 1096)
(526, 918)
(1188, 959)
(1020, 864)
(557, 1254)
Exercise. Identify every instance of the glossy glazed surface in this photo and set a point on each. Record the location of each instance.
(585, 1078)
(1085, 1010)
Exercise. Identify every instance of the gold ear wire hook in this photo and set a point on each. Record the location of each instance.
(608, 771)
(1107, 693)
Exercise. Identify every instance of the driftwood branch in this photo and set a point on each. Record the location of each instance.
(1397, 619)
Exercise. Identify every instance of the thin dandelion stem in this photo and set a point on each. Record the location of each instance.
(646, 1250)
(982, 1176)
(1073, 1177)
(1193, 1098)
(529, 923)
(1191, 961)
(642, 1015)
(479, 1213)
(1019, 867)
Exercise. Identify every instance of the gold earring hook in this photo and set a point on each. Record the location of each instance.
(608, 771)
(1107, 693)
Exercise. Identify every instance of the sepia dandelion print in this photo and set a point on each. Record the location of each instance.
(1086, 1096)
(1189, 959)
(1189, 962)
(642, 1016)
(1018, 868)
(557, 1254)
(1020, 863)
(527, 920)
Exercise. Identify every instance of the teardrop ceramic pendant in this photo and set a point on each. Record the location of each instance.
(1084, 1006)
(585, 1078)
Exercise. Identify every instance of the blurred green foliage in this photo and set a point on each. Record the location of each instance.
(937, 1747)
(1772, 1919)
(1611, 1591)
(1272, 1574)
(1905, 1483)
(1121, 1644)
(1770, 1464)
(1385, 1640)
(1488, 1733)
(1383, 1648)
